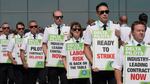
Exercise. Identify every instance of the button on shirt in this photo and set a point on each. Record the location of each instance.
(54, 30)
(98, 24)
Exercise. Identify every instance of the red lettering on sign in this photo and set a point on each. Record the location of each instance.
(106, 56)
(138, 76)
(76, 52)
(56, 56)
(35, 57)
(77, 58)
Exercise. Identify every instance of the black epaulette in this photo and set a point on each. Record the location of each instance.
(125, 44)
(67, 40)
(92, 24)
(48, 26)
(114, 22)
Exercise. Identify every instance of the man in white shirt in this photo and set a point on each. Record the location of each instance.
(144, 17)
(138, 30)
(102, 10)
(14, 53)
(32, 73)
(57, 31)
(6, 68)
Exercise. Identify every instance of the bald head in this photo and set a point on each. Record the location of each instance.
(123, 20)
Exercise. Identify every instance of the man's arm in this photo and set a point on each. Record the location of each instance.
(44, 46)
(22, 52)
(118, 76)
(88, 53)
(64, 61)
(9, 54)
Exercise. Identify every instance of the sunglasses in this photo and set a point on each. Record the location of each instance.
(20, 28)
(35, 26)
(76, 29)
(5, 27)
(104, 11)
(57, 17)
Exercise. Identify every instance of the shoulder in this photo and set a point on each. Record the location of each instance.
(114, 25)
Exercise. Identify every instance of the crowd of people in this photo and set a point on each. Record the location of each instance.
(63, 54)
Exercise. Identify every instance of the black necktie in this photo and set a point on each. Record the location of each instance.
(77, 41)
(6, 36)
(59, 30)
(138, 44)
(21, 36)
(104, 26)
(34, 36)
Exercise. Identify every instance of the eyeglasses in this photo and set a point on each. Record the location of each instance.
(5, 27)
(76, 29)
(20, 28)
(104, 11)
(35, 26)
(57, 17)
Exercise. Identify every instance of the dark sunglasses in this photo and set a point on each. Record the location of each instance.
(57, 17)
(76, 29)
(35, 26)
(102, 12)
(20, 28)
(5, 27)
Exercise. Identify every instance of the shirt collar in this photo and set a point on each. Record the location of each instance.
(101, 24)
(32, 34)
(74, 40)
(55, 25)
(124, 25)
(136, 43)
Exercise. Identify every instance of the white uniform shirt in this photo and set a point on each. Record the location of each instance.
(65, 30)
(14, 47)
(3, 36)
(147, 35)
(98, 24)
(25, 40)
(119, 60)
(125, 33)
(124, 25)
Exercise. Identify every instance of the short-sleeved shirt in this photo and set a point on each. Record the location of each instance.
(65, 30)
(3, 47)
(98, 24)
(11, 45)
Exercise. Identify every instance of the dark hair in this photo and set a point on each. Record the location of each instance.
(77, 24)
(136, 23)
(143, 17)
(31, 22)
(101, 4)
(20, 23)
